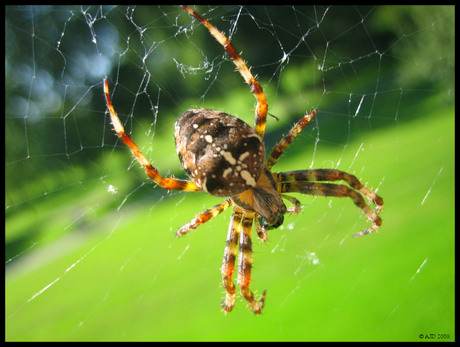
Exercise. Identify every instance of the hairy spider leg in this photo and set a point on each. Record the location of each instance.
(297, 205)
(261, 232)
(287, 140)
(331, 175)
(166, 183)
(256, 89)
(309, 182)
(245, 264)
(203, 217)
(239, 232)
(228, 262)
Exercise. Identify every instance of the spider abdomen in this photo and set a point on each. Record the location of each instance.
(220, 153)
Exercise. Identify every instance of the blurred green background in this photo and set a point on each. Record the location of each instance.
(89, 245)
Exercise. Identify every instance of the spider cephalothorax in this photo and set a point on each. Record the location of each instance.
(224, 156)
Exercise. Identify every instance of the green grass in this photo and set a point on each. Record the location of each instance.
(124, 276)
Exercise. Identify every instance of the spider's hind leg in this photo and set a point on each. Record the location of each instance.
(166, 183)
(279, 149)
(297, 205)
(261, 106)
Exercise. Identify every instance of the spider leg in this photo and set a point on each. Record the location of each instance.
(261, 232)
(298, 205)
(166, 183)
(228, 262)
(203, 217)
(256, 89)
(330, 175)
(287, 140)
(245, 264)
(309, 182)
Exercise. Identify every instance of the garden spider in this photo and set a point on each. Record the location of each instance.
(224, 156)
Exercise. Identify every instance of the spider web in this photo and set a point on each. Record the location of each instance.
(90, 252)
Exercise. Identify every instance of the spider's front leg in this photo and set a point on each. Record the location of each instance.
(239, 231)
(228, 263)
(245, 264)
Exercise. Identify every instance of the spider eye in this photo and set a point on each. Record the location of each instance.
(264, 224)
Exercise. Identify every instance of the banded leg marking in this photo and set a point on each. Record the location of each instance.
(256, 89)
(203, 217)
(228, 262)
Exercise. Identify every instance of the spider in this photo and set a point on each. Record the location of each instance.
(223, 156)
